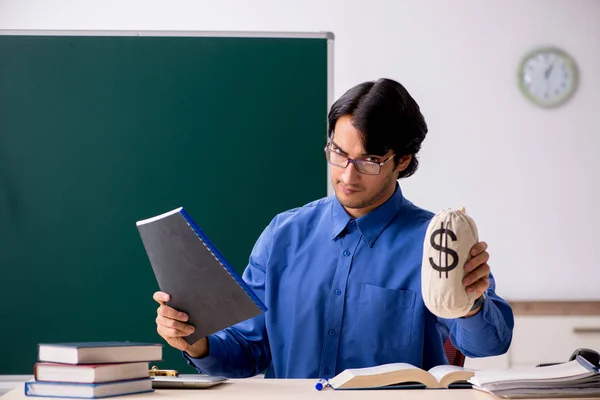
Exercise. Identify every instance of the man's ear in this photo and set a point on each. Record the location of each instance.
(403, 163)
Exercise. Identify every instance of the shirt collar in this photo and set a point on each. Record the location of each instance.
(372, 224)
(340, 218)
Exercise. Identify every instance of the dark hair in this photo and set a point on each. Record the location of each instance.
(386, 116)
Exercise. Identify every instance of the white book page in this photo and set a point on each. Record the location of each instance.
(441, 371)
(156, 218)
(572, 368)
(381, 369)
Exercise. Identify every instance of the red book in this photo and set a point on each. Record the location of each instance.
(89, 373)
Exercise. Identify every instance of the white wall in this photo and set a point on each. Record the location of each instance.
(527, 175)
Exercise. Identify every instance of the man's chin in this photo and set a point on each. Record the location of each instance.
(351, 204)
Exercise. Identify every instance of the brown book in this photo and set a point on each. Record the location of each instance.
(99, 352)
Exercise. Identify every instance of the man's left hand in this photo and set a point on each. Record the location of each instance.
(477, 279)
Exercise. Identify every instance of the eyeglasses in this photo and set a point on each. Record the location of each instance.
(363, 166)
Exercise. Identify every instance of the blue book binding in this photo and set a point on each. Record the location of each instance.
(198, 278)
(217, 254)
(87, 390)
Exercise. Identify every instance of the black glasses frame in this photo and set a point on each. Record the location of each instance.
(359, 164)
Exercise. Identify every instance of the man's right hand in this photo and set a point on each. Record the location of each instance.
(171, 326)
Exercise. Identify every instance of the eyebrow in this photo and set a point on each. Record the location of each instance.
(360, 156)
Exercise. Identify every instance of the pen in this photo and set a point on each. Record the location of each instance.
(154, 371)
(321, 384)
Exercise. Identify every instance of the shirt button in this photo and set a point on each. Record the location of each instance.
(346, 253)
(338, 292)
(332, 332)
(327, 371)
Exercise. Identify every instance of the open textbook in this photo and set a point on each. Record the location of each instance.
(401, 374)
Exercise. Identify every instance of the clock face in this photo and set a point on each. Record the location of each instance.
(548, 77)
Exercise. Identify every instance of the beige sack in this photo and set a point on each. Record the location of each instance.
(450, 236)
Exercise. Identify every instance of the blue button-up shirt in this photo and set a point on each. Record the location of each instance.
(346, 293)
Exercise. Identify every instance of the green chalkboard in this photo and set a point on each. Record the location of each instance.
(99, 131)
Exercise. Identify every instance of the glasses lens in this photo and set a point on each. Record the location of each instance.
(367, 167)
(336, 158)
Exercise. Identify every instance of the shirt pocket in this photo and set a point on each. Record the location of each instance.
(385, 317)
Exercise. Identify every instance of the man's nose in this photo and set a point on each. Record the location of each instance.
(350, 173)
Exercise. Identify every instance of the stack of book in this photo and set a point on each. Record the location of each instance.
(93, 369)
(577, 378)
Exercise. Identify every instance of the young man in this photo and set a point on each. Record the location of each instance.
(341, 276)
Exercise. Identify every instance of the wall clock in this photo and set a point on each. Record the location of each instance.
(548, 77)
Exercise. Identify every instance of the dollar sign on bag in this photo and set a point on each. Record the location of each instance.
(443, 249)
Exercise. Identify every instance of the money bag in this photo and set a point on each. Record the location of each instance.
(447, 247)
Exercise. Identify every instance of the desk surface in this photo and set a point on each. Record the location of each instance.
(265, 389)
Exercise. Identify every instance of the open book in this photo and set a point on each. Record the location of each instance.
(442, 376)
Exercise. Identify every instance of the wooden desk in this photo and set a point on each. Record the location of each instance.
(265, 389)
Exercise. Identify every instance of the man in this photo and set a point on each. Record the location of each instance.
(341, 276)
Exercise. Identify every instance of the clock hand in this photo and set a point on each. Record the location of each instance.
(548, 71)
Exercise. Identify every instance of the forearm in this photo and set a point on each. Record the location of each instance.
(475, 311)
(487, 332)
(200, 349)
(234, 353)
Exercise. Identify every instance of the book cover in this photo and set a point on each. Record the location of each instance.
(89, 373)
(99, 352)
(200, 281)
(87, 390)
